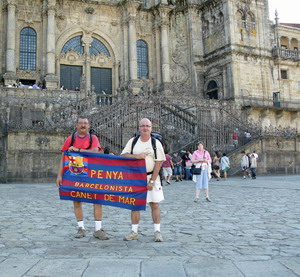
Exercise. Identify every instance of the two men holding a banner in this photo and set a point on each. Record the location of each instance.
(82, 141)
(143, 149)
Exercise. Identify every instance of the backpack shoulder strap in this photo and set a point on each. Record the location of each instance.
(153, 142)
(91, 140)
(134, 143)
(73, 139)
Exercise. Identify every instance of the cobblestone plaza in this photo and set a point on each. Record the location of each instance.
(251, 228)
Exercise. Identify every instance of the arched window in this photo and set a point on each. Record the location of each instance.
(27, 49)
(212, 90)
(142, 59)
(294, 44)
(284, 42)
(73, 44)
(251, 20)
(221, 17)
(97, 47)
(241, 18)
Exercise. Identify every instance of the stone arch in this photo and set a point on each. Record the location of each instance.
(250, 21)
(212, 89)
(74, 44)
(28, 55)
(294, 44)
(92, 72)
(241, 16)
(73, 31)
(142, 59)
(250, 17)
(284, 42)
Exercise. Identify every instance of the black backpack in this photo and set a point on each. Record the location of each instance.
(154, 136)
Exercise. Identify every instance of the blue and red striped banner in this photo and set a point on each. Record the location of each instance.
(104, 179)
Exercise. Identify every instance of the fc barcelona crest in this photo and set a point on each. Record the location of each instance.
(76, 165)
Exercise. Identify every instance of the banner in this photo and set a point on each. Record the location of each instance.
(104, 179)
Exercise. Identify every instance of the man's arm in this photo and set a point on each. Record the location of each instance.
(155, 173)
(60, 171)
(76, 149)
(141, 156)
(60, 167)
(171, 163)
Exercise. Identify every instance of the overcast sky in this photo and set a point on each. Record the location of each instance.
(288, 10)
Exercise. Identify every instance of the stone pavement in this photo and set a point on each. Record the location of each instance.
(252, 228)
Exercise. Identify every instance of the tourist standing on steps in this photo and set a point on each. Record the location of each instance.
(83, 142)
(143, 150)
(201, 158)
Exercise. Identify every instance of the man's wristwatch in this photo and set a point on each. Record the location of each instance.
(151, 182)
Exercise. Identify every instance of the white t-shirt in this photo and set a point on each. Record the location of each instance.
(141, 147)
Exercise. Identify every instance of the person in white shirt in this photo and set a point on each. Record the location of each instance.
(143, 150)
(253, 165)
(244, 164)
(225, 165)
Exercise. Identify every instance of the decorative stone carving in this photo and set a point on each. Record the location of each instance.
(28, 74)
(89, 10)
(144, 24)
(102, 60)
(87, 40)
(71, 57)
(180, 73)
(42, 141)
(11, 2)
(164, 15)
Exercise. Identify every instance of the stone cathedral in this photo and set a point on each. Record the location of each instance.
(57, 53)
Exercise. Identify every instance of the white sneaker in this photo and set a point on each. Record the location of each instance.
(158, 237)
(131, 236)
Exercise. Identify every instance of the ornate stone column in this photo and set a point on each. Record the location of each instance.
(157, 53)
(196, 43)
(10, 76)
(165, 60)
(125, 67)
(132, 48)
(86, 42)
(51, 78)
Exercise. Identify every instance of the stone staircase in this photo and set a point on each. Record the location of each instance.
(116, 121)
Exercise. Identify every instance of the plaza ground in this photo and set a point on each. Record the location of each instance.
(251, 228)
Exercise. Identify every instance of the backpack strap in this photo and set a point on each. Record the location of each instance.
(91, 140)
(134, 143)
(73, 139)
(153, 142)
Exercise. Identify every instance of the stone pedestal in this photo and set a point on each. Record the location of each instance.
(10, 78)
(51, 81)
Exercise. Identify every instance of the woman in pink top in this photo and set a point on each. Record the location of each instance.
(201, 158)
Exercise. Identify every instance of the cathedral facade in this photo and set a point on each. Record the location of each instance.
(216, 49)
(197, 68)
